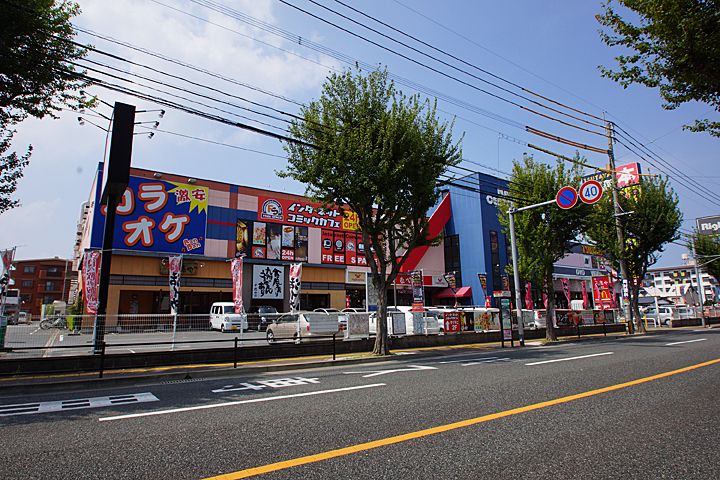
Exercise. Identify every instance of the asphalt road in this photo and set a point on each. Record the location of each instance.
(640, 407)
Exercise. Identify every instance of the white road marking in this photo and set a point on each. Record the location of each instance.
(505, 359)
(77, 404)
(479, 359)
(687, 341)
(375, 373)
(239, 402)
(571, 358)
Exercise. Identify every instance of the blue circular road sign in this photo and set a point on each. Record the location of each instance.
(567, 197)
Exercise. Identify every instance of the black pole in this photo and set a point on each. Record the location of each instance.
(104, 280)
(102, 358)
(333, 346)
(116, 176)
(235, 353)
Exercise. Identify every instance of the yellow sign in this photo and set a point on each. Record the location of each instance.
(350, 221)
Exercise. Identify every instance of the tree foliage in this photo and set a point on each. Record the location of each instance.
(381, 154)
(676, 46)
(707, 251)
(655, 221)
(545, 234)
(37, 77)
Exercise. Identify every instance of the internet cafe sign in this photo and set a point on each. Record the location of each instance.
(708, 225)
(295, 212)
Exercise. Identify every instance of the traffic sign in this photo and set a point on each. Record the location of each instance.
(567, 197)
(591, 191)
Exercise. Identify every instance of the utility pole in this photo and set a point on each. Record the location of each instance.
(618, 223)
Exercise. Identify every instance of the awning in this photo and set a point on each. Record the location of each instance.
(448, 293)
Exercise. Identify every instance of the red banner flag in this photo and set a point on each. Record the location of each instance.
(90, 272)
(236, 267)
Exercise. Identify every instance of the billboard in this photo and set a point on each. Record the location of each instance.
(158, 216)
(304, 213)
(708, 225)
(627, 175)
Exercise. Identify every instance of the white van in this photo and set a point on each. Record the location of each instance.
(224, 318)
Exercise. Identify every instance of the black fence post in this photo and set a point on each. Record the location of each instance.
(577, 328)
(333, 346)
(102, 357)
(235, 354)
(604, 332)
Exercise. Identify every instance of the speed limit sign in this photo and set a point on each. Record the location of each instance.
(591, 191)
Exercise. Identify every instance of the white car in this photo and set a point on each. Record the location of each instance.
(224, 318)
(663, 318)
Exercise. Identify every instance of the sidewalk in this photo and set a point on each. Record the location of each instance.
(40, 384)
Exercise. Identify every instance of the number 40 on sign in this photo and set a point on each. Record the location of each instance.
(591, 191)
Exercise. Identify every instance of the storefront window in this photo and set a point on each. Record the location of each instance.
(452, 257)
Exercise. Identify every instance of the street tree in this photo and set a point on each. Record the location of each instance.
(674, 47)
(706, 248)
(652, 219)
(37, 77)
(545, 234)
(381, 155)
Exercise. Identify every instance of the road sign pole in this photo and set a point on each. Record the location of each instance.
(516, 276)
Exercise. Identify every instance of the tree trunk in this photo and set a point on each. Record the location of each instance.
(549, 325)
(634, 307)
(381, 337)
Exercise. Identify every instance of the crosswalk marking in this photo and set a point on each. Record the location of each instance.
(77, 404)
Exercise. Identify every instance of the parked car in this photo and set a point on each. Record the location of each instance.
(224, 318)
(342, 319)
(266, 314)
(664, 316)
(294, 327)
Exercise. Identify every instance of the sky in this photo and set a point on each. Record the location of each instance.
(527, 48)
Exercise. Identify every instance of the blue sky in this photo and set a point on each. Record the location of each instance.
(549, 48)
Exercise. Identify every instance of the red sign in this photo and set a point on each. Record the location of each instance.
(566, 198)
(339, 248)
(452, 322)
(627, 175)
(326, 247)
(601, 292)
(294, 212)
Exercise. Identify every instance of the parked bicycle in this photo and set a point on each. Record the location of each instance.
(53, 322)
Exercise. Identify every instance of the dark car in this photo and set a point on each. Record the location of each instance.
(266, 316)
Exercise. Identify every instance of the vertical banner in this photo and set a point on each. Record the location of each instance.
(417, 288)
(90, 273)
(295, 279)
(611, 288)
(586, 301)
(566, 289)
(451, 281)
(7, 259)
(174, 266)
(483, 283)
(528, 296)
(236, 268)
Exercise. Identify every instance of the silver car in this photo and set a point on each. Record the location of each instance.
(295, 327)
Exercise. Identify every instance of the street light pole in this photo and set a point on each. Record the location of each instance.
(618, 223)
(516, 275)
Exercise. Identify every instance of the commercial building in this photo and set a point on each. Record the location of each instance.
(210, 223)
(668, 282)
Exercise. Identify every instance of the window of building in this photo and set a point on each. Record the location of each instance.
(452, 257)
(48, 299)
(29, 269)
(54, 272)
(24, 298)
(27, 283)
(50, 286)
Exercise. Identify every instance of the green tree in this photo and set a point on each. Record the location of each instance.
(653, 219)
(37, 77)
(707, 251)
(545, 234)
(381, 154)
(675, 48)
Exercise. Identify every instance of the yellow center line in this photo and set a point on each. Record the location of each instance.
(442, 428)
